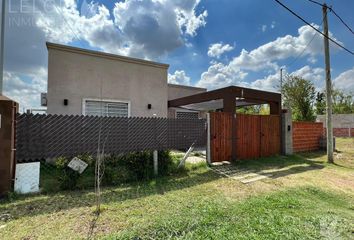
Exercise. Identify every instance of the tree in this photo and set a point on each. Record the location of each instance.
(342, 103)
(262, 109)
(320, 104)
(299, 95)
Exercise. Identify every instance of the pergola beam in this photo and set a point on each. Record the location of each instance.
(229, 95)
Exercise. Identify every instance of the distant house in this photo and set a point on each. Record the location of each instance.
(85, 82)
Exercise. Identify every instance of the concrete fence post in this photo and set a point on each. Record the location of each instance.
(8, 111)
(287, 132)
(156, 163)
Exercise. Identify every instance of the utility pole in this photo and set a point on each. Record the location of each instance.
(281, 80)
(281, 85)
(328, 88)
(2, 46)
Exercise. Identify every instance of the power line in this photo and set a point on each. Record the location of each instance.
(334, 12)
(308, 44)
(302, 19)
(315, 2)
(66, 22)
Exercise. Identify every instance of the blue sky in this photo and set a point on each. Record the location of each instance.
(208, 43)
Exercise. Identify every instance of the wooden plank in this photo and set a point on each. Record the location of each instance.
(270, 135)
(221, 137)
(256, 136)
(248, 136)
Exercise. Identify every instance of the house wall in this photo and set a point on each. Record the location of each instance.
(306, 136)
(341, 132)
(178, 91)
(76, 74)
(338, 120)
(343, 124)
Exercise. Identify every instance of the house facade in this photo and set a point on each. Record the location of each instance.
(85, 82)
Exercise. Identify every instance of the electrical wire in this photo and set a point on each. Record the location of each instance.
(334, 12)
(302, 19)
(315, 2)
(302, 52)
(66, 22)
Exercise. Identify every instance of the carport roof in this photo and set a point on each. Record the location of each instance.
(231, 96)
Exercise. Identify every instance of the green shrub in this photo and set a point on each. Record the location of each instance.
(123, 168)
(68, 178)
(135, 166)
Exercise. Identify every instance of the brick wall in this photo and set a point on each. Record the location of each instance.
(342, 132)
(306, 136)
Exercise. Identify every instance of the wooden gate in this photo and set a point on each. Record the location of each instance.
(220, 136)
(256, 136)
(270, 135)
(248, 141)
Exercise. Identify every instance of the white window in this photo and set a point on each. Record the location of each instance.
(107, 108)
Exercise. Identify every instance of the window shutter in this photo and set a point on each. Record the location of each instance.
(107, 109)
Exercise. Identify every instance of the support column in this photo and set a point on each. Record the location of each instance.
(275, 108)
(287, 132)
(8, 110)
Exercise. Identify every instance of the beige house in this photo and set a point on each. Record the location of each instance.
(85, 82)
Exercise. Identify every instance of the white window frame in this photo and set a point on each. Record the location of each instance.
(84, 100)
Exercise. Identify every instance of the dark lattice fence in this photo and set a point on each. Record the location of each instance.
(49, 136)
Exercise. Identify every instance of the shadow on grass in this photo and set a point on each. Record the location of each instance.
(294, 170)
(272, 167)
(50, 203)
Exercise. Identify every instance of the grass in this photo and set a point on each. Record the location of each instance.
(306, 198)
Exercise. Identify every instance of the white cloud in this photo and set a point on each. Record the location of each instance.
(265, 57)
(272, 81)
(220, 75)
(282, 48)
(217, 49)
(345, 81)
(264, 27)
(316, 75)
(187, 18)
(268, 83)
(179, 77)
(25, 90)
(154, 27)
(147, 29)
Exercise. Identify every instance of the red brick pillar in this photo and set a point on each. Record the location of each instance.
(8, 111)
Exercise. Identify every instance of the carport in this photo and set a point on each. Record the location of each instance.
(238, 136)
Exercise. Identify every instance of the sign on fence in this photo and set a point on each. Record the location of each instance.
(77, 165)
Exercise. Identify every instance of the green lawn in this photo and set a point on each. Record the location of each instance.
(305, 198)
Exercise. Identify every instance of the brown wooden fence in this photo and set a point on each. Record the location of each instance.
(256, 136)
(220, 136)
